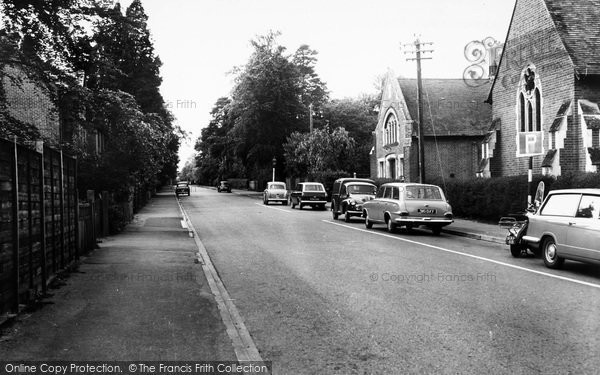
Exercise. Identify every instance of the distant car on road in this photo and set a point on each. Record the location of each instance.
(348, 196)
(182, 187)
(309, 194)
(224, 186)
(408, 205)
(275, 192)
(567, 226)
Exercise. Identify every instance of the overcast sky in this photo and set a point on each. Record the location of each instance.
(200, 41)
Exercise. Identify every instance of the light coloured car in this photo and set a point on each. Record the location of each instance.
(309, 194)
(567, 226)
(275, 192)
(408, 205)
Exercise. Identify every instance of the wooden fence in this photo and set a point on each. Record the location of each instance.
(42, 228)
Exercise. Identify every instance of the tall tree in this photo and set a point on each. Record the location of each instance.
(270, 98)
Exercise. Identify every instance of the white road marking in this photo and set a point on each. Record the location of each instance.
(467, 255)
(273, 208)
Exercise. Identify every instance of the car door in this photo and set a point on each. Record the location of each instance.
(376, 206)
(583, 233)
(554, 218)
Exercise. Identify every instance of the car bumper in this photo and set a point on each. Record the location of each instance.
(313, 202)
(355, 212)
(423, 221)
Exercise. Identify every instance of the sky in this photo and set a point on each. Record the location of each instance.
(201, 41)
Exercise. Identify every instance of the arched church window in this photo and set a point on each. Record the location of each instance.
(529, 112)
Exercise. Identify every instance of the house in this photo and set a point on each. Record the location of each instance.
(455, 121)
(546, 93)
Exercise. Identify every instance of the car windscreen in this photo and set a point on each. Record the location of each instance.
(182, 184)
(277, 186)
(361, 189)
(423, 192)
(313, 187)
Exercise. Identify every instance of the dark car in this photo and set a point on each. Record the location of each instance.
(309, 194)
(182, 187)
(224, 186)
(349, 194)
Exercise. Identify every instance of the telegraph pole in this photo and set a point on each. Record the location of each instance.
(418, 51)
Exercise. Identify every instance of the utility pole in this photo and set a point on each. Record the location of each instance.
(418, 51)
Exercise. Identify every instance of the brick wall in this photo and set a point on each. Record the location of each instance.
(532, 40)
(30, 102)
(452, 157)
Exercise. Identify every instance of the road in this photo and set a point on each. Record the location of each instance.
(322, 296)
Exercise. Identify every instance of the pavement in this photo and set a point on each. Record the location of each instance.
(143, 295)
(478, 230)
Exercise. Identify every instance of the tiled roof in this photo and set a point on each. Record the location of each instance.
(456, 108)
(577, 24)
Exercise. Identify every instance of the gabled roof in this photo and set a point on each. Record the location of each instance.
(455, 108)
(577, 24)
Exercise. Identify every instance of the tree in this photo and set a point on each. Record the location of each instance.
(269, 101)
(359, 118)
(118, 95)
(308, 154)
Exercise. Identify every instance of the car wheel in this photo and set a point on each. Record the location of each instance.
(436, 230)
(299, 205)
(347, 217)
(391, 226)
(368, 223)
(551, 258)
(515, 250)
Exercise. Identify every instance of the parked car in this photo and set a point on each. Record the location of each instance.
(224, 186)
(408, 205)
(182, 187)
(275, 191)
(348, 196)
(567, 226)
(309, 194)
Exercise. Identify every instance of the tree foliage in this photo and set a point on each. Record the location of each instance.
(270, 101)
(106, 73)
(325, 149)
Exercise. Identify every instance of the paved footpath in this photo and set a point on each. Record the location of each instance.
(141, 296)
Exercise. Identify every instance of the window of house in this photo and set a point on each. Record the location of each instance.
(390, 130)
(529, 122)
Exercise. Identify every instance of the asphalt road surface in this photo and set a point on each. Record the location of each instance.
(325, 297)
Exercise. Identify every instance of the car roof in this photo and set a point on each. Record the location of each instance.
(404, 184)
(350, 179)
(309, 182)
(276, 182)
(575, 191)
(360, 183)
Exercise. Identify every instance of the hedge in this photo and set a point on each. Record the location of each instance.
(489, 199)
